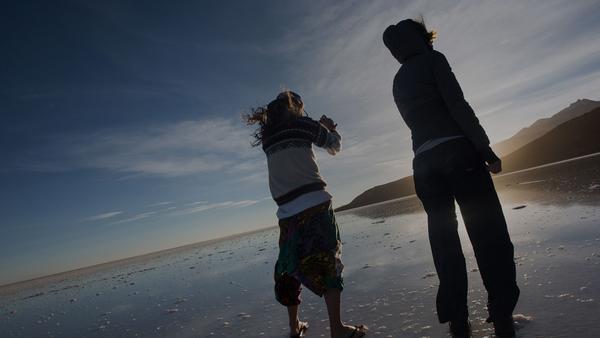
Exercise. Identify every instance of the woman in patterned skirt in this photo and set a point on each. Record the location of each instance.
(309, 241)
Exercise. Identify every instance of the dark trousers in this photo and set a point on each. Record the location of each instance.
(454, 171)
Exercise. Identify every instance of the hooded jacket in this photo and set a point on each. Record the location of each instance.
(427, 93)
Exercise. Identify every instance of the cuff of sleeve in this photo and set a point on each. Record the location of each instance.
(488, 155)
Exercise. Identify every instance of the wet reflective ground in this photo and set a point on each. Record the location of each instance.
(225, 288)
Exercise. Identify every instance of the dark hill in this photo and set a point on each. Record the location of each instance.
(381, 193)
(576, 137)
(542, 126)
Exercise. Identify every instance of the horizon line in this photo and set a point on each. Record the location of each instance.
(6, 288)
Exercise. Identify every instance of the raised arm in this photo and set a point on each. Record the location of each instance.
(459, 108)
(330, 139)
(333, 145)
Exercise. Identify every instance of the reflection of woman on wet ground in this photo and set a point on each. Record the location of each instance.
(451, 163)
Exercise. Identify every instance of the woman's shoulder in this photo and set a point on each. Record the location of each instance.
(436, 53)
(303, 122)
(303, 128)
(305, 119)
(437, 57)
(422, 60)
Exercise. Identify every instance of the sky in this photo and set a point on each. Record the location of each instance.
(120, 128)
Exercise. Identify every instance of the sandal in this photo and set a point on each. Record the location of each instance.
(360, 329)
(301, 330)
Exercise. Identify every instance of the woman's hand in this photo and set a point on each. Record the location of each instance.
(492, 162)
(495, 167)
(328, 123)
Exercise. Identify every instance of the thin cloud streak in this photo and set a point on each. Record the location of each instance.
(104, 216)
(136, 217)
(513, 70)
(219, 205)
(179, 149)
(197, 202)
(160, 204)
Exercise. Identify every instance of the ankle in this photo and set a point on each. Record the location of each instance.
(504, 327)
(336, 327)
(460, 328)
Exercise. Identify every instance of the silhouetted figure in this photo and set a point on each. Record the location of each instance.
(452, 160)
(310, 248)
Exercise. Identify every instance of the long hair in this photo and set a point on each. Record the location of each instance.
(287, 106)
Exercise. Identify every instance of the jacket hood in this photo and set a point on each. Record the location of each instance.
(404, 40)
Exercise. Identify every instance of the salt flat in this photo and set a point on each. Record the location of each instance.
(224, 288)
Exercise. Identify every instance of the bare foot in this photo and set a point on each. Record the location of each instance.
(349, 331)
(298, 329)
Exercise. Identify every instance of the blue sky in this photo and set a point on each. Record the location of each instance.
(120, 128)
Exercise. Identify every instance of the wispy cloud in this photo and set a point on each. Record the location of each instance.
(513, 69)
(190, 208)
(104, 216)
(160, 204)
(135, 218)
(220, 205)
(508, 57)
(197, 202)
(176, 149)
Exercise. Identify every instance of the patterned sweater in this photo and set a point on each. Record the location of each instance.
(294, 178)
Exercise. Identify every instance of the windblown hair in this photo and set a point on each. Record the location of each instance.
(428, 36)
(271, 116)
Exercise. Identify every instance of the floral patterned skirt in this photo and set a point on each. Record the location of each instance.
(310, 253)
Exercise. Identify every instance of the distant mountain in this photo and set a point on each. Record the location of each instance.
(576, 136)
(381, 193)
(542, 126)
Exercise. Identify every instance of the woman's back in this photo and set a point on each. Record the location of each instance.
(426, 91)
(420, 102)
(293, 170)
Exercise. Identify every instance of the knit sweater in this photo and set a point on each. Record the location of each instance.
(293, 170)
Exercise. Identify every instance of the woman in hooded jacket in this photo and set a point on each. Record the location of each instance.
(452, 162)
